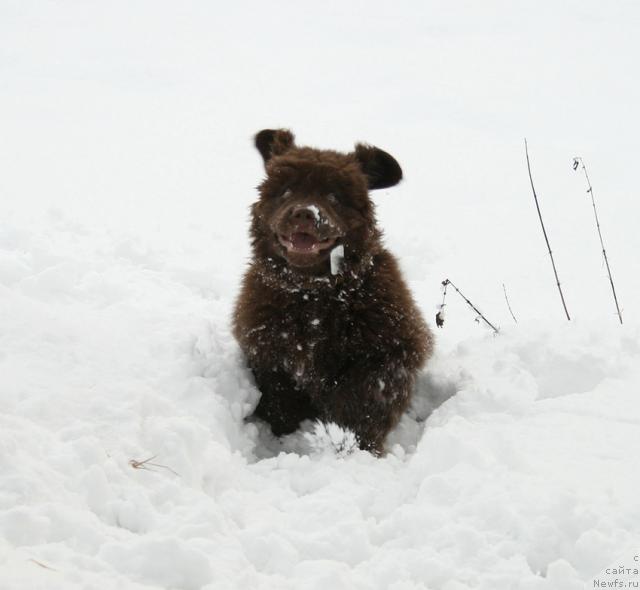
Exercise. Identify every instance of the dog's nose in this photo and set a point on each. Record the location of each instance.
(304, 215)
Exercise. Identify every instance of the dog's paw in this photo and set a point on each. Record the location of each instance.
(329, 437)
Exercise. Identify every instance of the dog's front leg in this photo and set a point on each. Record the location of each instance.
(282, 404)
(369, 398)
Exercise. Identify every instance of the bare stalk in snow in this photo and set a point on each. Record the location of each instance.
(471, 305)
(577, 161)
(508, 304)
(544, 231)
(147, 463)
(440, 314)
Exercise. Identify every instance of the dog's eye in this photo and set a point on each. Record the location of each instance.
(332, 198)
(285, 194)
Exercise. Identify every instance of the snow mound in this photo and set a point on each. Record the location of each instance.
(127, 460)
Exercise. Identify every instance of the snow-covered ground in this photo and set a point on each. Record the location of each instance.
(126, 173)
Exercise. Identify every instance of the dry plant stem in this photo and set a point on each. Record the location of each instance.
(604, 252)
(146, 463)
(444, 293)
(508, 304)
(544, 231)
(42, 565)
(471, 305)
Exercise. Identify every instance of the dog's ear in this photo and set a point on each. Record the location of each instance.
(273, 142)
(382, 169)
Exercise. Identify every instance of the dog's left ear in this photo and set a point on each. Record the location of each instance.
(382, 169)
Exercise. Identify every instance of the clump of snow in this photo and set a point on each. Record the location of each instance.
(331, 437)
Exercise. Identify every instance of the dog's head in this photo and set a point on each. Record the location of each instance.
(313, 200)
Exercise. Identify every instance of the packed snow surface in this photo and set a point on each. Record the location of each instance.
(127, 459)
(517, 466)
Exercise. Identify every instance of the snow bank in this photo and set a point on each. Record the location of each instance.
(517, 466)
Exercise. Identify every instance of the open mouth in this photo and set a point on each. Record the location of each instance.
(302, 242)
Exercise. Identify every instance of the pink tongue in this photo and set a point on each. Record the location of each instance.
(302, 241)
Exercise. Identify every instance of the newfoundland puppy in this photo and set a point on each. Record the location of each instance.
(325, 320)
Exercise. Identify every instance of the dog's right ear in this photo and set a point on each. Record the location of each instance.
(273, 142)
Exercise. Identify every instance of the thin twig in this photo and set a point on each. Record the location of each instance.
(576, 161)
(440, 314)
(42, 565)
(146, 464)
(508, 304)
(544, 231)
(471, 305)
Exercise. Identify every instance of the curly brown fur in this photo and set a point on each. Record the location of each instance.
(344, 347)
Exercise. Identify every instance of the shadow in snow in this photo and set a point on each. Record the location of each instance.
(430, 393)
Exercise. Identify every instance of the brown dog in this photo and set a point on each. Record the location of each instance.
(324, 318)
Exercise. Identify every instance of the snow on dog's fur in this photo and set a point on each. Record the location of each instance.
(335, 338)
